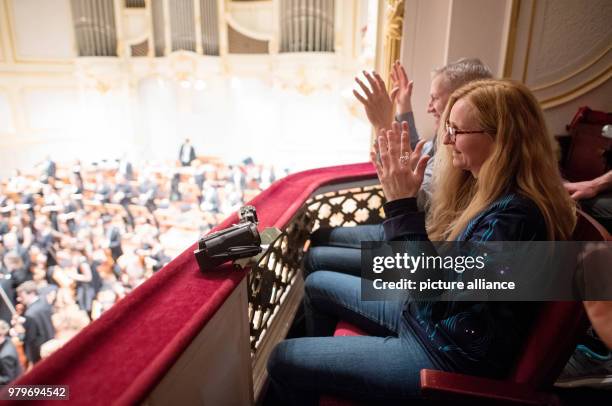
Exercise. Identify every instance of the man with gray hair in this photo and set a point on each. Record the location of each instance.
(339, 249)
(444, 81)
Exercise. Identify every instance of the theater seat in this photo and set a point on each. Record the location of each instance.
(344, 328)
(556, 331)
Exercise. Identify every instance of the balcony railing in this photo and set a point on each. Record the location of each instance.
(275, 284)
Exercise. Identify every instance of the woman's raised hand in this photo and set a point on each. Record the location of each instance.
(400, 169)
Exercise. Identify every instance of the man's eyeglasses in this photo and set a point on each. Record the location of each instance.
(454, 132)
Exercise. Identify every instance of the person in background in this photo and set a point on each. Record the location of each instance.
(105, 299)
(9, 294)
(125, 168)
(76, 179)
(122, 195)
(595, 197)
(38, 326)
(17, 270)
(9, 360)
(103, 189)
(210, 200)
(113, 236)
(186, 153)
(68, 322)
(175, 190)
(82, 274)
(11, 244)
(49, 169)
(591, 362)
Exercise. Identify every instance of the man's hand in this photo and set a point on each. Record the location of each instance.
(401, 93)
(582, 190)
(377, 102)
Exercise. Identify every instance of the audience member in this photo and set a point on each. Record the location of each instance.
(7, 301)
(486, 156)
(175, 192)
(37, 324)
(67, 324)
(591, 362)
(147, 193)
(113, 237)
(103, 189)
(122, 195)
(126, 169)
(186, 153)
(9, 359)
(210, 200)
(49, 169)
(595, 197)
(339, 248)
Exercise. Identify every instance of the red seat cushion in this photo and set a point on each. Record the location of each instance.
(347, 329)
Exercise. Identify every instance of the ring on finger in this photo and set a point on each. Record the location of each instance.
(405, 158)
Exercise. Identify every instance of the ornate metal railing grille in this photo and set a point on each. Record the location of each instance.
(271, 280)
(94, 27)
(347, 208)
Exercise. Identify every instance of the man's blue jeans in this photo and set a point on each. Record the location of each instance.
(384, 367)
(339, 249)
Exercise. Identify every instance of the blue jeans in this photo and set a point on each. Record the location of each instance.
(384, 367)
(339, 249)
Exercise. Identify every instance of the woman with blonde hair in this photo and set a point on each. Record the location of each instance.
(522, 160)
(496, 179)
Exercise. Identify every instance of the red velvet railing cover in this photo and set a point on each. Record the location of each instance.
(120, 358)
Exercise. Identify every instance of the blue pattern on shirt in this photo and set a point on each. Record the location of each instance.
(475, 337)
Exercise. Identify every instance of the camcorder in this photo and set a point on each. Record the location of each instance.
(239, 241)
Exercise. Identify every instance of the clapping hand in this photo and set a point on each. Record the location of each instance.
(401, 93)
(400, 169)
(377, 102)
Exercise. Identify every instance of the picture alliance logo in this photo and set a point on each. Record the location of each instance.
(412, 263)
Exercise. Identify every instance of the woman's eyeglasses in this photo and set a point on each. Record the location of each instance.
(453, 132)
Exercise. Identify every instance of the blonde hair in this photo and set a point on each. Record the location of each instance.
(523, 160)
